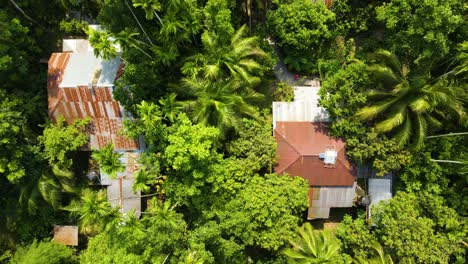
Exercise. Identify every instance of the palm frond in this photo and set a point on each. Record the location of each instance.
(369, 112)
(420, 105)
(420, 131)
(404, 132)
(383, 74)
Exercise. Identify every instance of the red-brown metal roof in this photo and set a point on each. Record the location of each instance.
(299, 146)
(106, 115)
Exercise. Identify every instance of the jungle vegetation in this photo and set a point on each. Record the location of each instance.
(199, 78)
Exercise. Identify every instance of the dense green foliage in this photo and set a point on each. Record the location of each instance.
(44, 252)
(199, 81)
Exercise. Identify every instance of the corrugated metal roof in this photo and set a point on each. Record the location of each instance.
(305, 107)
(128, 198)
(84, 68)
(299, 146)
(380, 189)
(321, 199)
(81, 100)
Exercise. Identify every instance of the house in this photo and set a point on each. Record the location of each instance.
(305, 149)
(80, 85)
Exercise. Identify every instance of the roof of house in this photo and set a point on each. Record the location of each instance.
(128, 200)
(299, 147)
(304, 108)
(80, 85)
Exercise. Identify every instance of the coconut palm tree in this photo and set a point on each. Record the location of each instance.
(236, 59)
(219, 104)
(312, 247)
(381, 257)
(406, 105)
(108, 160)
(94, 212)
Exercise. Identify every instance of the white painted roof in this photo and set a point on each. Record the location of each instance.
(305, 107)
(76, 45)
(83, 66)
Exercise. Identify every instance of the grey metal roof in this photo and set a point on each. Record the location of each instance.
(321, 199)
(380, 189)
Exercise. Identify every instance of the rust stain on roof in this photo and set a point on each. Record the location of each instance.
(95, 102)
(299, 146)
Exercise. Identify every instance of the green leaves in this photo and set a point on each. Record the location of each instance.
(265, 212)
(410, 104)
(303, 28)
(93, 211)
(109, 161)
(149, 6)
(312, 246)
(420, 30)
(102, 43)
(60, 139)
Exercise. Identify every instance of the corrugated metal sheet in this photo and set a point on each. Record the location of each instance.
(305, 107)
(307, 94)
(318, 213)
(85, 68)
(128, 200)
(321, 199)
(380, 189)
(299, 146)
(81, 101)
(299, 111)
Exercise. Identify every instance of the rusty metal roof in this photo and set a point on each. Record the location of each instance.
(94, 101)
(299, 146)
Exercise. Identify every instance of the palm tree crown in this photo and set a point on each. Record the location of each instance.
(236, 58)
(94, 211)
(312, 247)
(406, 106)
(219, 104)
(109, 161)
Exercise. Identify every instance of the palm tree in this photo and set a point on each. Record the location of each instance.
(102, 44)
(108, 160)
(405, 106)
(150, 7)
(462, 57)
(162, 213)
(219, 104)
(94, 212)
(170, 107)
(127, 39)
(236, 59)
(312, 247)
(381, 257)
